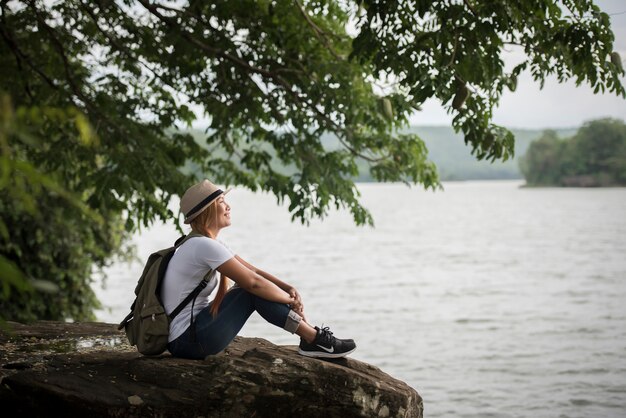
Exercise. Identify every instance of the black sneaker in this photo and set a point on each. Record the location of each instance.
(326, 345)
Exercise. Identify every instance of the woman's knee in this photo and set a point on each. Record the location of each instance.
(279, 314)
(239, 296)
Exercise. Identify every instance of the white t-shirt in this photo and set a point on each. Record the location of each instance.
(186, 269)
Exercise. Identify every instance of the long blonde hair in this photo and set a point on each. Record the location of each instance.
(200, 225)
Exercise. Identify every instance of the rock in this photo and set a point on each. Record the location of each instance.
(88, 369)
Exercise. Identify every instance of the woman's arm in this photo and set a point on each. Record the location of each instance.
(265, 274)
(297, 304)
(286, 287)
(253, 282)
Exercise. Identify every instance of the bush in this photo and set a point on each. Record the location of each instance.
(50, 240)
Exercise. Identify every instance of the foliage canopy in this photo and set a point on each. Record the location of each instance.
(99, 92)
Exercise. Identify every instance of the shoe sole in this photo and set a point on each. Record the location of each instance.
(321, 354)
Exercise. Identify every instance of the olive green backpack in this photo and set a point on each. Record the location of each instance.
(147, 325)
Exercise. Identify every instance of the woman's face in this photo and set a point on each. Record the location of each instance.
(223, 213)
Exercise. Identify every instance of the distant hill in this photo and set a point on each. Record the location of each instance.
(455, 161)
(448, 151)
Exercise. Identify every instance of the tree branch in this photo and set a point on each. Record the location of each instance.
(17, 52)
(456, 40)
(220, 53)
(122, 49)
(70, 77)
(319, 33)
(66, 64)
(469, 6)
(153, 9)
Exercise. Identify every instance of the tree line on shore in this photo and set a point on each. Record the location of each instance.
(594, 157)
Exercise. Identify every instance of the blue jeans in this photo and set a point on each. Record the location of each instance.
(213, 334)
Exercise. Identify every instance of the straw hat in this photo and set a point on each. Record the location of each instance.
(198, 197)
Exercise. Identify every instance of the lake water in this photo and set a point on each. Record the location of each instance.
(488, 298)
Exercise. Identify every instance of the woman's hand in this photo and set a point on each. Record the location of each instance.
(297, 306)
(294, 294)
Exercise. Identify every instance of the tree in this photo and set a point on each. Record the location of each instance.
(541, 165)
(595, 156)
(598, 145)
(273, 77)
(50, 239)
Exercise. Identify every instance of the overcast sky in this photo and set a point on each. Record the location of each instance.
(557, 105)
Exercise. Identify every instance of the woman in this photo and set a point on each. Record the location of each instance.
(204, 328)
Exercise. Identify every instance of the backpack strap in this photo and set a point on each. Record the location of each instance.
(203, 283)
(180, 241)
(191, 296)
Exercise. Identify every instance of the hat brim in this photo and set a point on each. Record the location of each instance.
(203, 208)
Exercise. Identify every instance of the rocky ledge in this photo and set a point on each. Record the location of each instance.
(88, 369)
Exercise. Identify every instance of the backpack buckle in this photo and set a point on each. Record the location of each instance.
(153, 318)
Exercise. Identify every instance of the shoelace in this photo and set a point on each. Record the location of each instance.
(326, 335)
